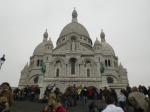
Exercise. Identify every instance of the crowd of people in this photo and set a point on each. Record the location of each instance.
(30, 93)
(135, 99)
(129, 100)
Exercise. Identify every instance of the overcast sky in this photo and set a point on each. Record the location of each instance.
(126, 24)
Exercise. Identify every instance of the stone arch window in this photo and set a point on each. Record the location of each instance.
(87, 63)
(57, 72)
(58, 63)
(110, 80)
(38, 62)
(109, 63)
(73, 43)
(105, 62)
(48, 47)
(88, 72)
(47, 58)
(99, 59)
(41, 61)
(36, 78)
(73, 62)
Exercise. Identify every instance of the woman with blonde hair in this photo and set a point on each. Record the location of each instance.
(52, 100)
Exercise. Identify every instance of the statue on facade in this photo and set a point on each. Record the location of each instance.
(36, 79)
(43, 67)
(101, 67)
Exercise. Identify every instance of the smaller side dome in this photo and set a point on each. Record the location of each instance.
(40, 49)
(49, 42)
(97, 42)
(107, 49)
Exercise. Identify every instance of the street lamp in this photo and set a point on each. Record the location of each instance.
(2, 60)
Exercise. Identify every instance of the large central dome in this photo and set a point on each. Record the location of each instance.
(74, 27)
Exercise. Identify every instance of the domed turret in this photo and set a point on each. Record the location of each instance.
(97, 42)
(106, 48)
(40, 49)
(49, 44)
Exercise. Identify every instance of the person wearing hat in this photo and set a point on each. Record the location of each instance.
(7, 93)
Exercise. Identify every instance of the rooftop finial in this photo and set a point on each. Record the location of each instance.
(45, 36)
(74, 15)
(102, 35)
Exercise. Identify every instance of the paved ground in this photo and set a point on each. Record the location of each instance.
(27, 106)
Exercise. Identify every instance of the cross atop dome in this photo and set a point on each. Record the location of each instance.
(74, 15)
(102, 35)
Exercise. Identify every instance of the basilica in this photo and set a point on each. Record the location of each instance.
(74, 60)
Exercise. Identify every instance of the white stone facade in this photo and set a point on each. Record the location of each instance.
(75, 60)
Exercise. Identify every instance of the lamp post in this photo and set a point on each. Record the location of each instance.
(2, 61)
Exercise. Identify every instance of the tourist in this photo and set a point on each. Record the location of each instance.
(74, 95)
(6, 93)
(37, 93)
(93, 107)
(122, 99)
(100, 94)
(64, 99)
(79, 92)
(32, 93)
(114, 95)
(110, 101)
(106, 92)
(59, 108)
(94, 93)
(4, 107)
(138, 100)
(85, 94)
(148, 92)
(90, 93)
(52, 100)
(128, 88)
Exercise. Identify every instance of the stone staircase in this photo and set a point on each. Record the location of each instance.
(27, 106)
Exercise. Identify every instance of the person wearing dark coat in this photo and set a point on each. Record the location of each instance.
(85, 95)
(114, 95)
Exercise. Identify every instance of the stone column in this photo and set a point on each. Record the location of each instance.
(98, 70)
(78, 71)
(47, 69)
(68, 45)
(104, 81)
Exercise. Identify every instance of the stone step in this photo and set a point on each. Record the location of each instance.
(27, 106)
